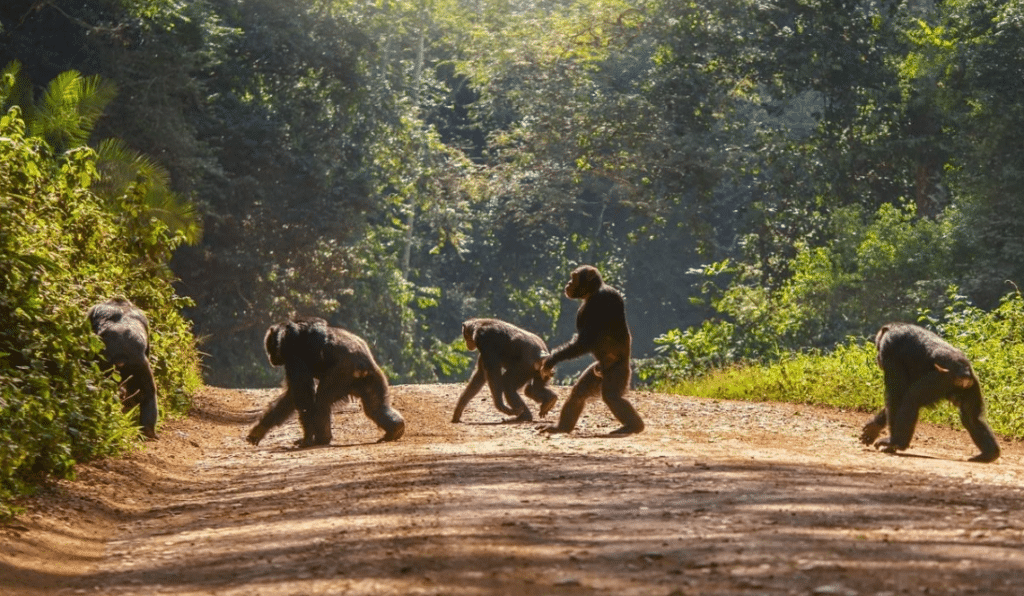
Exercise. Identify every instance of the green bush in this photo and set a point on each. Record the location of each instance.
(62, 249)
(847, 376)
(992, 340)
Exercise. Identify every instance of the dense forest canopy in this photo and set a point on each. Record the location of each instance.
(755, 176)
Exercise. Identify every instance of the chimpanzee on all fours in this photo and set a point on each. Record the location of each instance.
(601, 330)
(510, 357)
(921, 369)
(124, 329)
(323, 365)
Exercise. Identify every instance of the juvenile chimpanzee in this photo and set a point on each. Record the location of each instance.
(341, 364)
(517, 351)
(921, 369)
(124, 329)
(602, 331)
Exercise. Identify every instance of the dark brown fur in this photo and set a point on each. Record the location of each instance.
(323, 365)
(124, 329)
(510, 358)
(601, 330)
(920, 369)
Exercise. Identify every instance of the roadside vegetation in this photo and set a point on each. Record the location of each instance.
(70, 237)
(847, 376)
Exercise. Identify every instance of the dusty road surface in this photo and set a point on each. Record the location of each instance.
(715, 498)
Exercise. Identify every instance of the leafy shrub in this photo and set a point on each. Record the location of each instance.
(62, 249)
(992, 340)
(848, 377)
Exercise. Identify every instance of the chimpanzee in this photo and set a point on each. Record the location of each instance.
(602, 331)
(921, 369)
(517, 351)
(124, 329)
(323, 365)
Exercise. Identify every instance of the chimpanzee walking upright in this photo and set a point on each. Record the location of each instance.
(601, 330)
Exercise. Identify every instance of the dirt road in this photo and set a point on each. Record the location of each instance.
(715, 498)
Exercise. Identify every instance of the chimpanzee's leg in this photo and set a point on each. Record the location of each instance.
(275, 415)
(514, 378)
(972, 415)
(334, 386)
(496, 382)
(139, 383)
(615, 383)
(372, 389)
(897, 384)
(874, 427)
(298, 395)
(539, 392)
(476, 383)
(903, 418)
(588, 386)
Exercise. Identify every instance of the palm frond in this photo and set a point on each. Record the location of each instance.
(70, 106)
(125, 170)
(95, 94)
(179, 216)
(16, 90)
(121, 165)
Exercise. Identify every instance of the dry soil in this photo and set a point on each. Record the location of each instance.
(715, 498)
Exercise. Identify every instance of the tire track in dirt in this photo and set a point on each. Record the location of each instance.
(714, 498)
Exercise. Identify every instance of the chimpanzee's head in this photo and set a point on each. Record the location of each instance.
(585, 281)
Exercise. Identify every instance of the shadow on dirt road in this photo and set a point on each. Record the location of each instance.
(715, 498)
